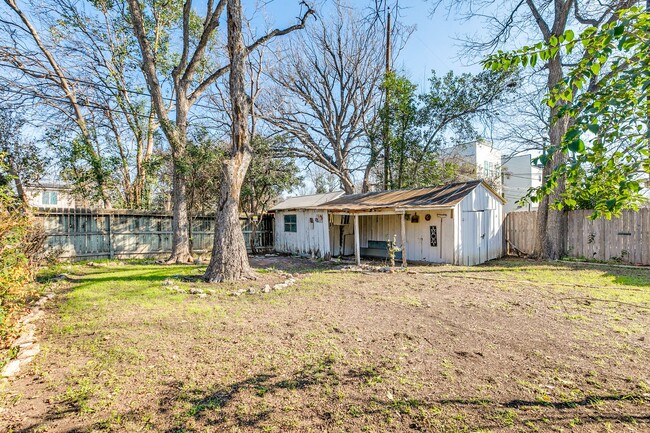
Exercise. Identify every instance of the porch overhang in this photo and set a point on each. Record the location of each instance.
(399, 211)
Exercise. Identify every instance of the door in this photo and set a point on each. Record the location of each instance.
(481, 238)
(474, 234)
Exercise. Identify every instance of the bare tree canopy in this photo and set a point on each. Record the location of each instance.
(192, 74)
(328, 89)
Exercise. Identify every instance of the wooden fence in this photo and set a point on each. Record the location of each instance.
(625, 239)
(86, 234)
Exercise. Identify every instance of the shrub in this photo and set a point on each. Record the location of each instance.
(21, 243)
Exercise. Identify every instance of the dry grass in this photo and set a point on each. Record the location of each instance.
(508, 346)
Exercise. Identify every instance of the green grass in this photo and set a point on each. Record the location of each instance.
(606, 283)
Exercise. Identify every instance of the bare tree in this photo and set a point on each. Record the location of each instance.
(36, 60)
(548, 20)
(229, 259)
(188, 86)
(110, 74)
(328, 83)
(92, 48)
(20, 161)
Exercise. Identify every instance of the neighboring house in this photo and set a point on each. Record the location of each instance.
(519, 175)
(457, 223)
(485, 159)
(50, 195)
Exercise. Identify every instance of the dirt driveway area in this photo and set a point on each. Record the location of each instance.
(511, 345)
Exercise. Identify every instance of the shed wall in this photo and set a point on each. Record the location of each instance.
(418, 237)
(311, 236)
(479, 228)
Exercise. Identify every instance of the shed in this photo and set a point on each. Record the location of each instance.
(301, 229)
(458, 223)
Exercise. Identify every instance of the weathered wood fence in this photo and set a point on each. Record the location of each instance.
(94, 234)
(625, 239)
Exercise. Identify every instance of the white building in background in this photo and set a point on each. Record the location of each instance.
(50, 195)
(484, 158)
(519, 174)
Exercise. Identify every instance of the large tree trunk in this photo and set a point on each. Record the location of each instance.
(348, 185)
(229, 259)
(552, 224)
(180, 220)
(181, 252)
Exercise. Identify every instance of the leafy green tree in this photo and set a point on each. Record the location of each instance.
(423, 128)
(399, 120)
(547, 21)
(202, 170)
(606, 97)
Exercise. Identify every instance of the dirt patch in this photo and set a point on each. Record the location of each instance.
(431, 350)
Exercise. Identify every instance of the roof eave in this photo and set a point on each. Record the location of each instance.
(493, 191)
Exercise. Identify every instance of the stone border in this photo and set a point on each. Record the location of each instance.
(170, 285)
(26, 342)
(290, 281)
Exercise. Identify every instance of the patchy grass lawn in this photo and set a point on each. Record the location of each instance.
(508, 346)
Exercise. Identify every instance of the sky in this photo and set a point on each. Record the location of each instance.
(433, 44)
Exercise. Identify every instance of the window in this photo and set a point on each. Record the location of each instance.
(433, 235)
(290, 224)
(486, 169)
(49, 198)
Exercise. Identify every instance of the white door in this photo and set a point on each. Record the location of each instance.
(474, 234)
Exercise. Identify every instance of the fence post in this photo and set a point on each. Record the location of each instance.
(111, 247)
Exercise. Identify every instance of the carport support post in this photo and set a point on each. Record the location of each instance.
(357, 250)
(403, 227)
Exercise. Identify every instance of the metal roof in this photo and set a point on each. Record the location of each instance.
(443, 196)
(48, 185)
(307, 201)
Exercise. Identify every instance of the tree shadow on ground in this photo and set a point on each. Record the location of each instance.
(218, 406)
(184, 408)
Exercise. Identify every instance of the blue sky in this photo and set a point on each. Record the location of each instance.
(433, 44)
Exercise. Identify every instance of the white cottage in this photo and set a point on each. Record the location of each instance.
(459, 223)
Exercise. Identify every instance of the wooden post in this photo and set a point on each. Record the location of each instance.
(111, 246)
(357, 248)
(403, 227)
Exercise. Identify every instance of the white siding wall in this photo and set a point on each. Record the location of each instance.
(478, 154)
(519, 176)
(418, 245)
(418, 237)
(379, 228)
(311, 238)
(479, 228)
(63, 198)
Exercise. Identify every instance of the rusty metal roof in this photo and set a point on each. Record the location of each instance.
(443, 196)
(306, 201)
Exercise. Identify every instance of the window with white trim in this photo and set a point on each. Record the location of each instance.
(49, 198)
(290, 223)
